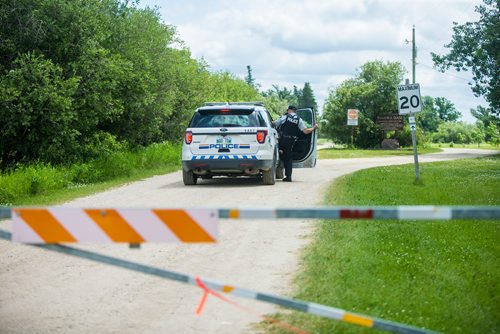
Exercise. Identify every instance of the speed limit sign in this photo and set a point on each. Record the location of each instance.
(409, 99)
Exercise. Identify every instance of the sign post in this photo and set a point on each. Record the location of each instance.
(352, 120)
(409, 102)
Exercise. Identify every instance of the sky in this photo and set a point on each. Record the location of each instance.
(324, 42)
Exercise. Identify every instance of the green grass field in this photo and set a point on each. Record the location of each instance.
(439, 275)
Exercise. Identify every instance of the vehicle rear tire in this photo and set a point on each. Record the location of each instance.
(268, 176)
(189, 178)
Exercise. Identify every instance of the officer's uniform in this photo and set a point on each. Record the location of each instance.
(290, 126)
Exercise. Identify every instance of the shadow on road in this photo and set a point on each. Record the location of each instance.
(220, 182)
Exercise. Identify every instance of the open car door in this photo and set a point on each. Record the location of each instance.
(304, 150)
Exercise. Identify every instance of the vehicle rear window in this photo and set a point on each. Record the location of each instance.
(217, 119)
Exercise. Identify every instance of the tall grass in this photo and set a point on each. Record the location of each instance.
(19, 184)
(441, 275)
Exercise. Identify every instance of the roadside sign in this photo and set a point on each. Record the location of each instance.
(409, 99)
(390, 122)
(352, 117)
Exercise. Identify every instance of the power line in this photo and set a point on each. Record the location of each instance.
(445, 73)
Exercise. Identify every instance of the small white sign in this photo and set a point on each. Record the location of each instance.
(411, 119)
(413, 127)
(409, 99)
(352, 117)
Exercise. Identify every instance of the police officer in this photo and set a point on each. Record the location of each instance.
(290, 126)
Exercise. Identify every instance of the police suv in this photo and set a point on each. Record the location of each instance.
(237, 139)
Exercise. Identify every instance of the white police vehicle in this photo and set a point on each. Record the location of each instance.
(238, 139)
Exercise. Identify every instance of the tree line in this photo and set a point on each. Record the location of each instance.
(82, 78)
(474, 47)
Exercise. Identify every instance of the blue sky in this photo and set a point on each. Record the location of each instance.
(289, 42)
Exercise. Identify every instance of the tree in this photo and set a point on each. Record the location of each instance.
(456, 132)
(428, 119)
(436, 111)
(475, 46)
(36, 109)
(372, 92)
(249, 79)
(307, 99)
(278, 99)
(493, 134)
(446, 110)
(275, 105)
(478, 134)
(485, 116)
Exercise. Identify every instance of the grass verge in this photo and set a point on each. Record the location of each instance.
(440, 275)
(41, 184)
(344, 153)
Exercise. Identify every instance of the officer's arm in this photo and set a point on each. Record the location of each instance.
(278, 121)
(309, 130)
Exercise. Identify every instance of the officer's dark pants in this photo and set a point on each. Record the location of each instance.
(286, 145)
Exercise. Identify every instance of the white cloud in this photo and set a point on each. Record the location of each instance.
(289, 42)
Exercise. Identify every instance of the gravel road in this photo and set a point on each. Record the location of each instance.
(45, 292)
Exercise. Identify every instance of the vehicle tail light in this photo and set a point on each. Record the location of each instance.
(188, 137)
(261, 136)
(225, 110)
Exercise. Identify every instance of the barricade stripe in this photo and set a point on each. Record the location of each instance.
(356, 319)
(148, 225)
(334, 212)
(285, 302)
(79, 225)
(234, 213)
(227, 289)
(397, 327)
(312, 308)
(113, 224)
(22, 232)
(326, 311)
(206, 219)
(257, 213)
(45, 225)
(182, 225)
(357, 214)
(424, 212)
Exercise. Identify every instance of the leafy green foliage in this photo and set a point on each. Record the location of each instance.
(21, 184)
(485, 116)
(372, 92)
(278, 99)
(493, 134)
(475, 46)
(455, 132)
(80, 78)
(307, 99)
(36, 108)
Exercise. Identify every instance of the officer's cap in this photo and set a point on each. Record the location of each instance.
(292, 107)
